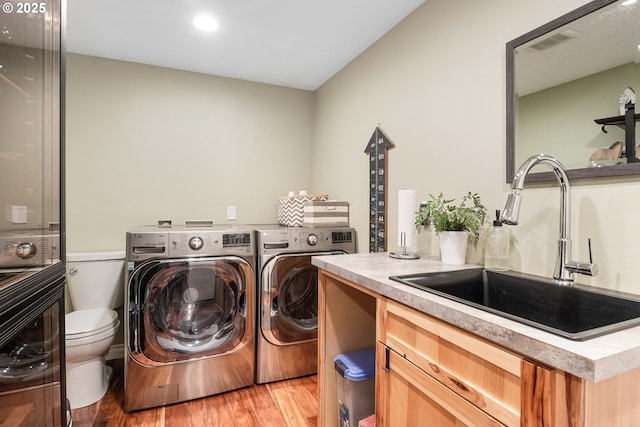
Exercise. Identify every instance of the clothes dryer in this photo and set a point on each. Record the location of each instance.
(287, 332)
(189, 315)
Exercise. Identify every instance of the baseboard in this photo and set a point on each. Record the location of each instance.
(115, 352)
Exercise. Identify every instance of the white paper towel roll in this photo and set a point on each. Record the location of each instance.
(406, 215)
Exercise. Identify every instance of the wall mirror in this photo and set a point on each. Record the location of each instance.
(569, 92)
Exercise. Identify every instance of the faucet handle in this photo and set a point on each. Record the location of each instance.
(586, 268)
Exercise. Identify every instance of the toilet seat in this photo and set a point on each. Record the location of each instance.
(86, 323)
(91, 339)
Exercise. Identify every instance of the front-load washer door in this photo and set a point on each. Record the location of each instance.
(190, 308)
(289, 294)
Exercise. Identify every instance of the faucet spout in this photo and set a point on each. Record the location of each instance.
(510, 213)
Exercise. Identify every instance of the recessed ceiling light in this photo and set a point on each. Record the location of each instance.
(628, 2)
(205, 23)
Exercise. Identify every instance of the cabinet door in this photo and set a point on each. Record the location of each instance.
(487, 376)
(407, 396)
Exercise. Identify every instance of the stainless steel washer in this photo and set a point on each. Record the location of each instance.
(189, 315)
(287, 336)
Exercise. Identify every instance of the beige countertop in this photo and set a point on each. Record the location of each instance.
(595, 359)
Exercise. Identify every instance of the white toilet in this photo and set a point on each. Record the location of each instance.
(96, 285)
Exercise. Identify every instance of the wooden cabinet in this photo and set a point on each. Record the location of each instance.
(431, 373)
(432, 369)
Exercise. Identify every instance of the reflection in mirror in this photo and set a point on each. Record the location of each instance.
(571, 87)
(31, 109)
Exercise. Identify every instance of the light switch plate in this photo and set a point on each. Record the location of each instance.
(231, 213)
(19, 214)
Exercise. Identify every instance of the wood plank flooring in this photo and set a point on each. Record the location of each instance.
(281, 404)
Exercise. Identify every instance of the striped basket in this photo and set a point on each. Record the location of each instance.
(326, 214)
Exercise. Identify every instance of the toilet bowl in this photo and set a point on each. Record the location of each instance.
(87, 373)
(95, 283)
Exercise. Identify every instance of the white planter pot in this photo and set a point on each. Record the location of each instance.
(453, 246)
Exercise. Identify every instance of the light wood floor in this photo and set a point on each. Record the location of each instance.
(281, 404)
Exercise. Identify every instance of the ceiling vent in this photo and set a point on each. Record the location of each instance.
(555, 39)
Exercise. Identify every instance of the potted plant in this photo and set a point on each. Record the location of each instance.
(453, 223)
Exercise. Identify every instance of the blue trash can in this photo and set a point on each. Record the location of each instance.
(356, 386)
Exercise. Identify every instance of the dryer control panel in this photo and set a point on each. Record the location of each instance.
(288, 240)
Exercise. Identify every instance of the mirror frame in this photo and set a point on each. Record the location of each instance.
(609, 171)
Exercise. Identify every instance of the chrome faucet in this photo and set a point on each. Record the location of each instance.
(564, 266)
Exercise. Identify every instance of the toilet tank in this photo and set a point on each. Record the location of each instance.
(95, 279)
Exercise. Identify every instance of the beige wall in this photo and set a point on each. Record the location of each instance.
(146, 143)
(436, 85)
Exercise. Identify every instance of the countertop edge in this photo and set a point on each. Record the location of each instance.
(595, 360)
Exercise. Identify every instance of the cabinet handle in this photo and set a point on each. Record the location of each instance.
(386, 358)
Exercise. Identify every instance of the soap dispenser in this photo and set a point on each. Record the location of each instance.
(496, 252)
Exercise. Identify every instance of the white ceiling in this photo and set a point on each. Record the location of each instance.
(294, 43)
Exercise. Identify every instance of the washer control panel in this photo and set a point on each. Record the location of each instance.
(210, 242)
(28, 250)
(153, 243)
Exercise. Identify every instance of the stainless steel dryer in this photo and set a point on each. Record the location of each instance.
(287, 336)
(189, 315)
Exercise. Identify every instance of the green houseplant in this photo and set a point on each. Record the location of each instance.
(468, 216)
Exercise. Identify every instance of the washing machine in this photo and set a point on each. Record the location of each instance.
(189, 313)
(287, 332)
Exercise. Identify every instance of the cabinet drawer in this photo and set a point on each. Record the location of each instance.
(485, 375)
(417, 399)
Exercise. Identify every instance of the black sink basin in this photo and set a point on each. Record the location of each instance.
(576, 312)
